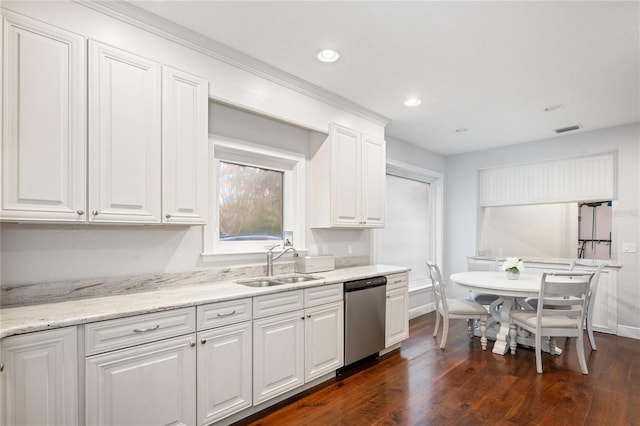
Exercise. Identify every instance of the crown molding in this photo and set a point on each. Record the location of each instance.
(161, 27)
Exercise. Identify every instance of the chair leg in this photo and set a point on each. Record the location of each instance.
(435, 329)
(538, 340)
(445, 331)
(483, 333)
(592, 339)
(580, 351)
(513, 337)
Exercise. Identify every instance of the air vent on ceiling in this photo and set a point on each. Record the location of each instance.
(568, 129)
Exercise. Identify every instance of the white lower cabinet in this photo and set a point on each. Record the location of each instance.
(224, 372)
(293, 348)
(278, 360)
(324, 339)
(397, 313)
(151, 384)
(39, 378)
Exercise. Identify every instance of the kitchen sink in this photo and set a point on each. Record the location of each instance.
(273, 281)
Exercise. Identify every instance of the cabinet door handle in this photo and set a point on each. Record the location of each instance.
(192, 344)
(80, 212)
(309, 316)
(203, 341)
(168, 216)
(302, 318)
(95, 212)
(227, 314)
(1, 367)
(144, 330)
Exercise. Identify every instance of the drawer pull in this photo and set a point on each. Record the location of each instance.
(227, 314)
(144, 330)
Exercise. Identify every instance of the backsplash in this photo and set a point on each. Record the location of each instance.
(29, 294)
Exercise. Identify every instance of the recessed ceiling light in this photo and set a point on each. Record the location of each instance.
(328, 55)
(552, 108)
(411, 102)
(461, 130)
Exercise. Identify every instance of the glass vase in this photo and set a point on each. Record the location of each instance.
(513, 275)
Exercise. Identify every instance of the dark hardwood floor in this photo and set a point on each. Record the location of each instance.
(463, 385)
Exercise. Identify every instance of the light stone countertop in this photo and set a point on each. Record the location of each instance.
(45, 316)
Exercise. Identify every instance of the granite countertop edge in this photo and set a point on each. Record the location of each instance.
(46, 316)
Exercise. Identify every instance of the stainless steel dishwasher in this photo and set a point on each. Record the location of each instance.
(364, 318)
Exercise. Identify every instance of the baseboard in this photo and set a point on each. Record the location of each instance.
(631, 332)
(421, 310)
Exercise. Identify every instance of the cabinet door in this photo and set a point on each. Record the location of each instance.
(185, 174)
(397, 316)
(152, 384)
(44, 110)
(346, 202)
(124, 136)
(39, 380)
(224, 372)
(373, 182)
(278, 355)
(324, 339)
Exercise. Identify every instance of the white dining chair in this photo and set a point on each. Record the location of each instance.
(485, 299)
(561, 310)
(448, 309)
(590, 303)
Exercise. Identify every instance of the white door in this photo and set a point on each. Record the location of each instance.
(324, 339)
(152, 384)
(39, 379)
(185, 174)
(373, 181)
(345, 177)
(397, 316)
(224, 372)
(124, 136)
(278, 355)
(44, 122)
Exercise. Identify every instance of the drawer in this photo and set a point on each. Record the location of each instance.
(277, 303)
(397, 280)
(223, 313)
(125, 332)
(324, 294)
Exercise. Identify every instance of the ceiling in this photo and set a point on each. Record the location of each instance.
(489, 67)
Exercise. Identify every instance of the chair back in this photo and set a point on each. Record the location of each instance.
(564, 290)
(439, 291)
(594, 281)
(472, 265)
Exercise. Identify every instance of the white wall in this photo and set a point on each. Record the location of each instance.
(463, 218)
(544, 230)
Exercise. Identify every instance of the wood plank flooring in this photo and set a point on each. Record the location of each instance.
(463, 385)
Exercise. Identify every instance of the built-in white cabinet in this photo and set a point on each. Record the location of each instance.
(348, 180)
(141, 370)
(44, 122)
(39, 378)
(324, 339)
(185, 173)
(145, 157)
(124, 136)
(224, 359)
(397, 313)
(296, 346)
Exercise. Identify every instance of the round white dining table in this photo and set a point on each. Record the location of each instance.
(510, 291)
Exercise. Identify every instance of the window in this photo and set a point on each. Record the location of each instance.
(258, 196)
(250, 203)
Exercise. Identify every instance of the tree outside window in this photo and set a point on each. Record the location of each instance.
(250, 203)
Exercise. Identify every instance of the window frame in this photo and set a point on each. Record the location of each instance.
(292, 164)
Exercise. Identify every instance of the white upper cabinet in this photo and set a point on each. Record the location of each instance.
(184, 147)
(124, 136)
(348, 180)
(44, 134)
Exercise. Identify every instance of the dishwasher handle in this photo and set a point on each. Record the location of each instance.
(357, 285)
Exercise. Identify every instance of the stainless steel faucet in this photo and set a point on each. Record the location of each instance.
(270, 257)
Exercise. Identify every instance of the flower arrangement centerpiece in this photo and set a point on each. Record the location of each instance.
(513, 266)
